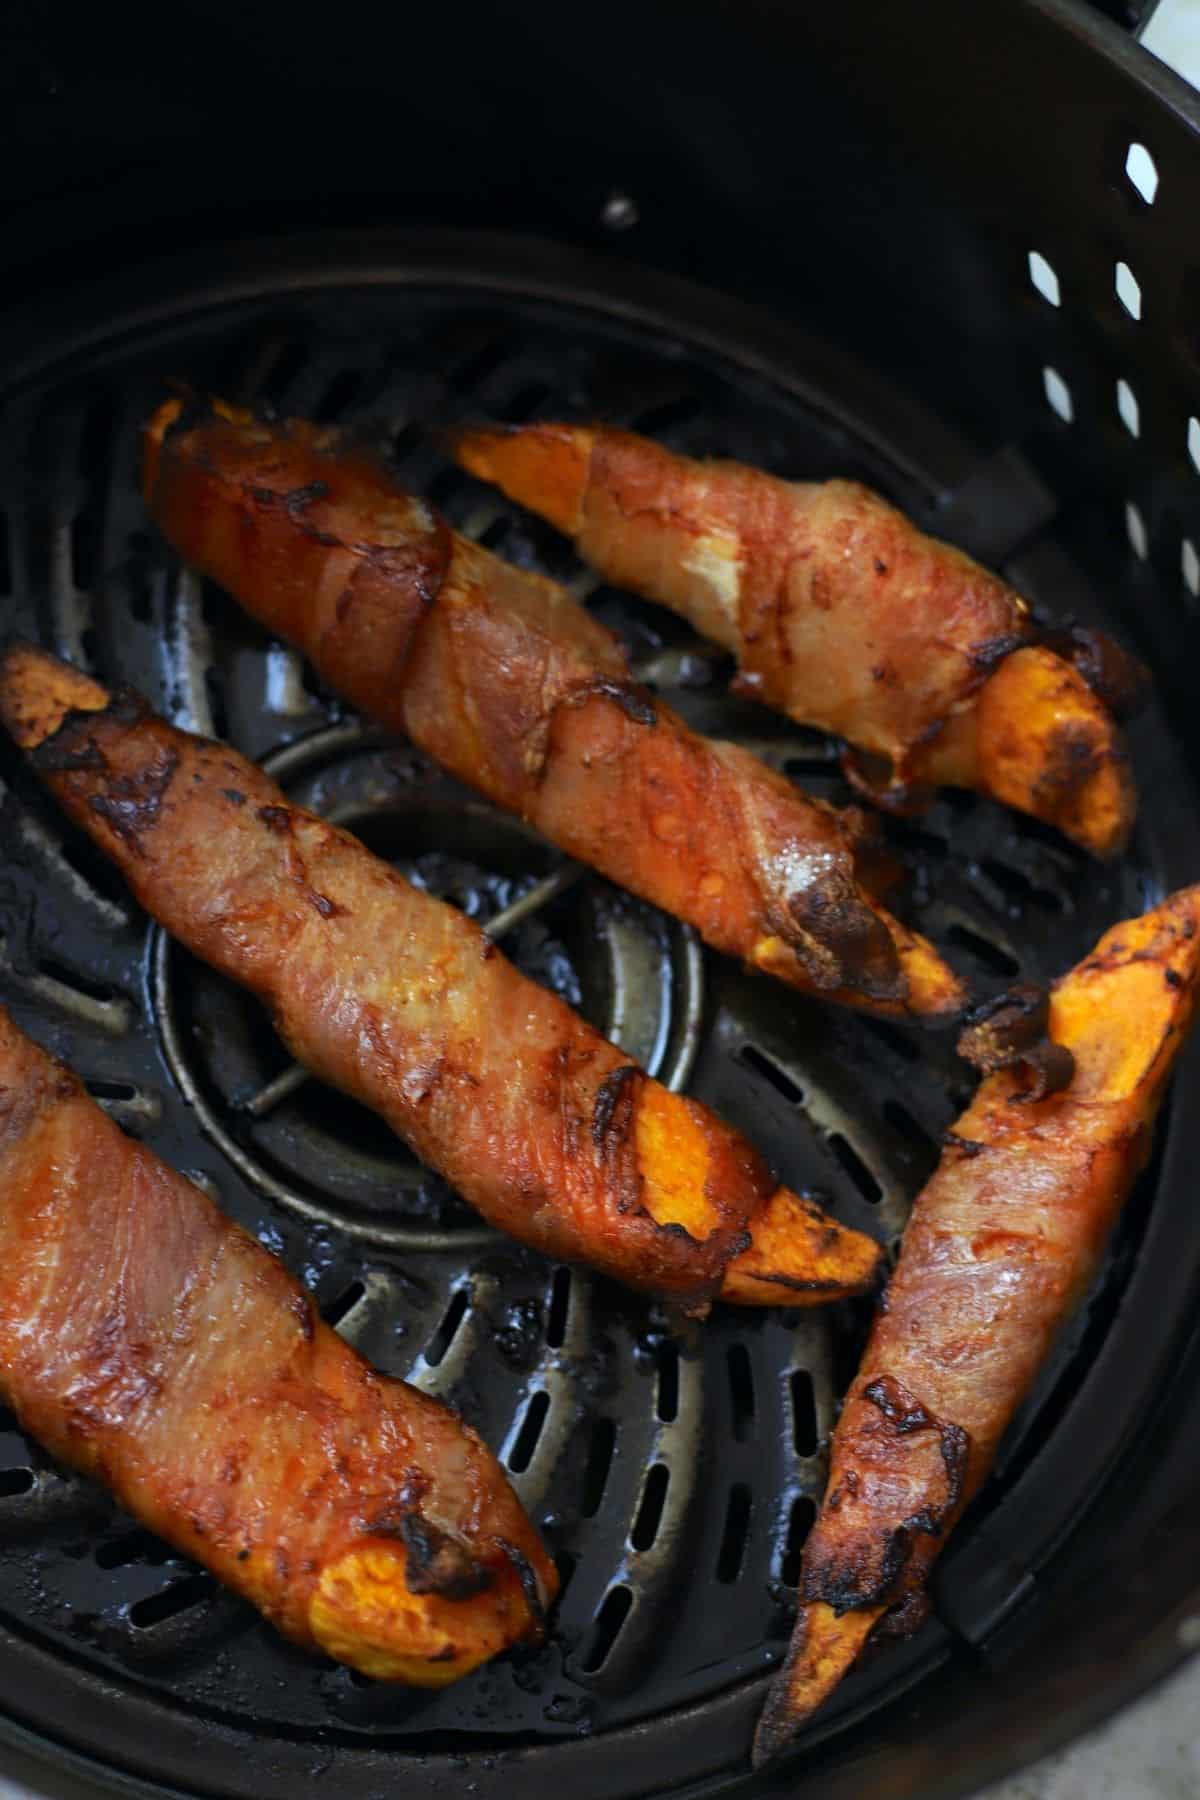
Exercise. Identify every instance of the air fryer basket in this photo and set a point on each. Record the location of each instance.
(956, 249)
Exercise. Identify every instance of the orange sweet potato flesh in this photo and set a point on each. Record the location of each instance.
(843, 615)
(400, 1001)
(150, 1342)
(511, 685)
(1000, 1246)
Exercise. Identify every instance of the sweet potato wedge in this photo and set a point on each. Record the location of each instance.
(150, 1342)
(402, 1002)
(1001, 1244)
(512, 686)
(843, 615)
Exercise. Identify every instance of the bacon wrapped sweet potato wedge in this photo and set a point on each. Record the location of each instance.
(512, 686)
(402, 1002)
(1001, 1244)
(843, 615)
(359, 1515)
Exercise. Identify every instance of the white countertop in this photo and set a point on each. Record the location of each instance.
(1151, 1751)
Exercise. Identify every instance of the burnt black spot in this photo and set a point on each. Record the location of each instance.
(1173, 978)
(874, 1573)
(614, 1095)
(54, 756)
(799, 1284)
(898, 1406)
(62, 753)
(1117, 679)
(528, 1580)
(1012, 1031)
(633, 699)
(673, 1229)
(328, 909)
(435, 1562)
(127, 706)
(992, 651)
(275, 818)
(234, 796)
(833, 912)
(302, 497)
(130, 804)
(902, 1620)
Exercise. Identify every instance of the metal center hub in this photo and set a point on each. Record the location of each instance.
(636, 976)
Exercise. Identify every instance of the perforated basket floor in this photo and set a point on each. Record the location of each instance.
(674, 1477)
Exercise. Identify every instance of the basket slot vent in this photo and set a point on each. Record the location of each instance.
(800, 1523)
(1128, 289)
(1128, 410)
(407, 441)
(1190, 565)
(559, 1309)
(1142, 171)
(896, 1039)
(751, 1057)
(1044, 278)
(666, 1403)
(344, 1303)
(1058, 394)
(804, 1412)
(650, 1511)
(1135, 530)
(566, 1565)
(601, 1447)
(667, 416)
(452, 1318)
(984, 950)
(133, 1547)
(741, 1391)
(735, 1535)
(483, 361)
(909, 1128)
(282, 370)
(526, 401)
(521, 1454)
(614, 1610)
(338, 395)
(180, 1597)
(862, 1177)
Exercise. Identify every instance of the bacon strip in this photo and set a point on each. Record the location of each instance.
(150, 1342)
(1001, 1244)
(402, 1002)
(843, 615)
(518, 691)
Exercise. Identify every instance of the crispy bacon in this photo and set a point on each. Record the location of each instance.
(843, 615)
(150, 1342)
(1001, 1244)
(511, 685)
(402, 1002)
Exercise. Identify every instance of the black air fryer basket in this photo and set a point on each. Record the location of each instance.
(951, 250)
